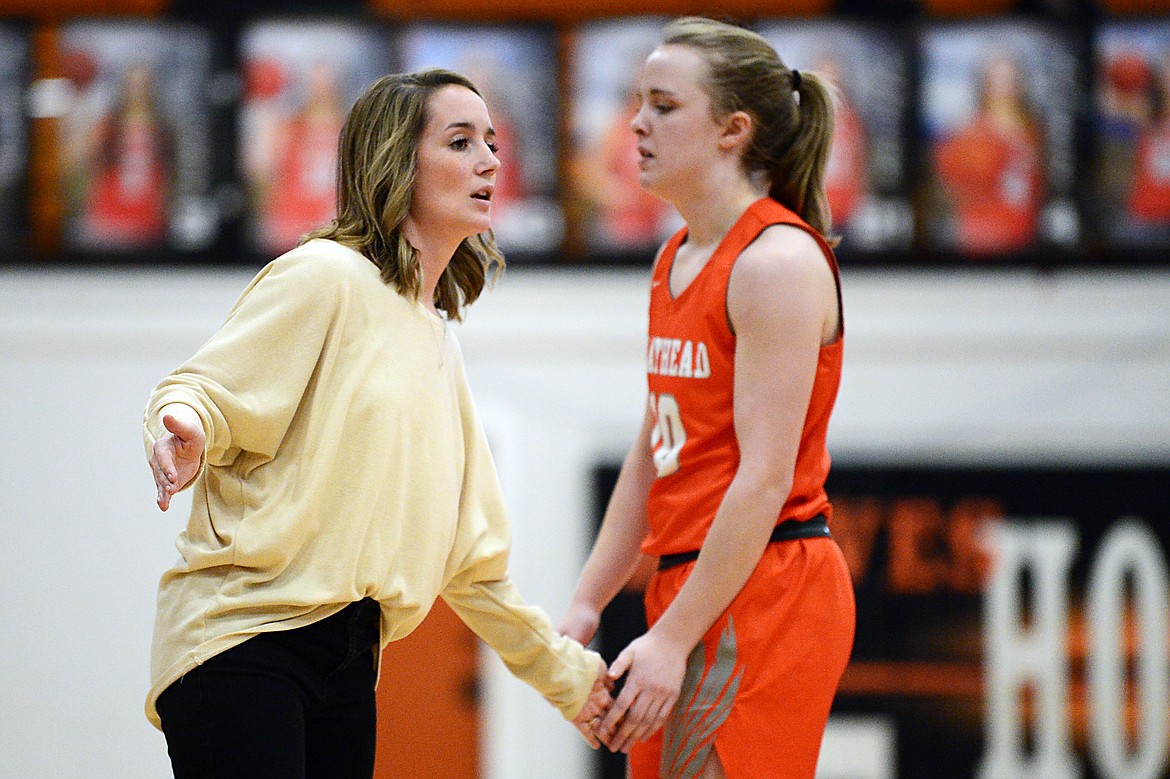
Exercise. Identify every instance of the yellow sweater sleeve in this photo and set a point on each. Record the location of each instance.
(480, 590)
(247, 381)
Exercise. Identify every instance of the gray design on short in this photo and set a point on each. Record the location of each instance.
(703, 705)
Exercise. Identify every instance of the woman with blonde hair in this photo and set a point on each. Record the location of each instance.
(991, 169)
(751, 611)
(341, 476)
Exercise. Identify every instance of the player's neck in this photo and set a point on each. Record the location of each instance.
(716, 206)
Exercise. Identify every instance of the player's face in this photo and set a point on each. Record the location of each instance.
(457, 164)
(677, 134)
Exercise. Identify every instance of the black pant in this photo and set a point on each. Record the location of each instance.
(286, 704)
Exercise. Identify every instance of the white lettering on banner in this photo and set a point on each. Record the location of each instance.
(1033, 653)
(676, 357)
(1129, 550)
(1016, 656)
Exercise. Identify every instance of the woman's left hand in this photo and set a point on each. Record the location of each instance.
(596, 705)
(656, 668)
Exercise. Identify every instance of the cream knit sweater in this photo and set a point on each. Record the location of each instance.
(344, 459)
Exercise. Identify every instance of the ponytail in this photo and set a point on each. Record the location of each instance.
(798, 171)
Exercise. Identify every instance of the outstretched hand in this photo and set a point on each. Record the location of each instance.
(656, 669)
(596, 705)
(176, 457)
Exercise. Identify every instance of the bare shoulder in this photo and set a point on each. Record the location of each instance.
(785, 263)
(784, 254)
(781, 280)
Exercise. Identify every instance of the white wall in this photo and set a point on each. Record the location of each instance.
(940, 367)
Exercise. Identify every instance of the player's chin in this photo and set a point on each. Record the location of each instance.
(653, 182)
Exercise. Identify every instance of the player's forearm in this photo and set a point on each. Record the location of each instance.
(618, 548)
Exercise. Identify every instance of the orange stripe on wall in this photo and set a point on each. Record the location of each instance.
(46, 211)
(541, 10)
(58, 10)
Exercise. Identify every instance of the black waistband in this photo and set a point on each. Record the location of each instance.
(788, 530)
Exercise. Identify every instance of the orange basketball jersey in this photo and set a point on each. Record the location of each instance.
(690, 365)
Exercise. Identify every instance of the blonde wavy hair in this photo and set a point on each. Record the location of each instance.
(377, 159)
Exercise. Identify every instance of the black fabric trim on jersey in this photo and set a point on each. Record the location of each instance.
(788, 530)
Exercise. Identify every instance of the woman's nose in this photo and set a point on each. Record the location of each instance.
(636, 124)
(490, 161)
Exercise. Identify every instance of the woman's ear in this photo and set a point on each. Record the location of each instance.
(736, 130)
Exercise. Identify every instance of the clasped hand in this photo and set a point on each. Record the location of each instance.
(654, 671)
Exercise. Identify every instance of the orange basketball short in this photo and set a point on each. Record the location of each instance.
(759, 687)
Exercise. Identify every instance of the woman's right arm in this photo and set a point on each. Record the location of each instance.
(240, 391)
(617, 551)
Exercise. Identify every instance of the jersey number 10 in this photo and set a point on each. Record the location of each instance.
(669, 435)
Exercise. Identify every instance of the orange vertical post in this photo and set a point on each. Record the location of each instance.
(428, 702)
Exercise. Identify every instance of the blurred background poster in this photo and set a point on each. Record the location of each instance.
(617, 219)
(136, 142)
(999, 107)
(515, 69)
(1132, 125)
(300, 80)
(14, 66)
(866, 177)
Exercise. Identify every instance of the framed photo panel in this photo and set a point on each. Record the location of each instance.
(136, 141)
(14, 75)
(617, 219)
(300, 79)
(1132, 131)
(515, 69)
(999, 102)
(866, 176)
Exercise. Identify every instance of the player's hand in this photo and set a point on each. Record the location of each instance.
(656, 668)
(598, 703)
(580, 623)
(176, 457)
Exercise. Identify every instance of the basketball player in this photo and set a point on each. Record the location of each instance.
(751, 611)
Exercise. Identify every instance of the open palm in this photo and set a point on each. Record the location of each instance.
(176, 457)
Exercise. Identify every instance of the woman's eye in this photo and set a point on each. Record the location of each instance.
(493, 148)
(459, 144)
(663, 109)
